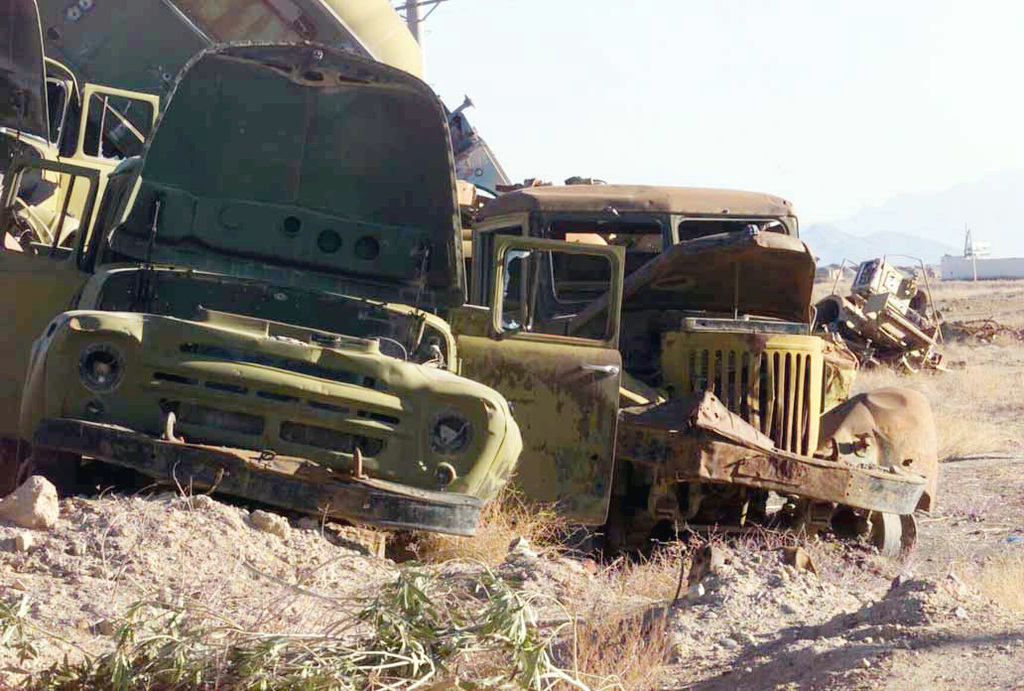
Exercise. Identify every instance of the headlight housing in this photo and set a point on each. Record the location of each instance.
(101, 367)
(450, 434)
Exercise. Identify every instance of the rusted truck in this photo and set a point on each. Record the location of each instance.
(701, 388)
(44, 113)
(253, 310)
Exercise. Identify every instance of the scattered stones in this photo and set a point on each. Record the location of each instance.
(307, 523)
(708, 559)
(201, 501)
(798, 559)
(33, 505)
(269, 523)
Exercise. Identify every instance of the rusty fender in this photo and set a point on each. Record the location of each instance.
(698, 439)
(288, 483)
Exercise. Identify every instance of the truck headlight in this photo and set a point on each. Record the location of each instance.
(450, 434)
(101, 367)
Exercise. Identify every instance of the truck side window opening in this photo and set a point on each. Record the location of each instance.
(544, 290)
(693, 228)
(117, 127)
(643, 241)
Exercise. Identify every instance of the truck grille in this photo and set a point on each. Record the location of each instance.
(775, 387)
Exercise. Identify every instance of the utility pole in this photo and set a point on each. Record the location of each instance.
(412, 19)
(411, 8)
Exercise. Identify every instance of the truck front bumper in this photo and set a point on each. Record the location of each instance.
(700, 440)
(289, 483)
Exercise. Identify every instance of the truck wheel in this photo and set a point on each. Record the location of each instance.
(8, 468)
(58, 467)
(892, 534)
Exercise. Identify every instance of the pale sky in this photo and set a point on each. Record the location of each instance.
(833, 105)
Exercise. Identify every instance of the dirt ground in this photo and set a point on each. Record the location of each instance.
(950, 615)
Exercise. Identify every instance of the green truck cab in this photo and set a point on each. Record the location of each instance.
(254, 308)
(705, 387)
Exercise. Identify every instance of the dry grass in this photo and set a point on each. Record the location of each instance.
(614, 649)
(1002, 581)
(978, 402)
(653, 578)
(504, 519)
(977, 405)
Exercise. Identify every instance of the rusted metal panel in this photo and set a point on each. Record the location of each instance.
(698, 439)
(718, 273)
(288, 483)
(565, 411)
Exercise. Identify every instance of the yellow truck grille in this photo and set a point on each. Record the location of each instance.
(772, 382)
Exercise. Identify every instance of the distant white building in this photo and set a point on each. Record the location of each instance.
(969, 268)
(977, 263)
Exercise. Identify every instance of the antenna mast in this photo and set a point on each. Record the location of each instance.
(411, 8)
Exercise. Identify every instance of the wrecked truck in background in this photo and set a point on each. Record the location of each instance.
(44, 114)
(702, 387)
(888, 317)
(253, 310)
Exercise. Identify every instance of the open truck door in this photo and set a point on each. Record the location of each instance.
(38, 281)
(564, 389)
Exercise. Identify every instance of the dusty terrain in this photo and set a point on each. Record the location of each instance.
(948, 615)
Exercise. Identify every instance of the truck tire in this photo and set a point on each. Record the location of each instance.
(60, 468)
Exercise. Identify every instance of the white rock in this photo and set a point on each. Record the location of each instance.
(270, 523)
(695, 591)
(520, 546)
(865, 663)
(33, 505)
(23, 542)
(960, 613)
(201, 501)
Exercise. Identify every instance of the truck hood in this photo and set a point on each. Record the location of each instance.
(761, 274)
(22, 72)
(306, 159)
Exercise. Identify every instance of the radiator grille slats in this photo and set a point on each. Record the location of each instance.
(774, 391)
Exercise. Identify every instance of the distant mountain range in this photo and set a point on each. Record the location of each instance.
(928, 225)
(832, 245)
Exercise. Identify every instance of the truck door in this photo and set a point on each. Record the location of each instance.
(113, 124)
(564, 389)
(37, 281)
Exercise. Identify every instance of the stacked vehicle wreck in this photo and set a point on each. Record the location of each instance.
(887, 318)
(726, 393)
(256, 308)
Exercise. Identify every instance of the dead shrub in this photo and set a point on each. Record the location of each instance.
(505, 518)
(615, 649)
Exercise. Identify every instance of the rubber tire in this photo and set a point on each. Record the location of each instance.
(62, 469)
(887, 533)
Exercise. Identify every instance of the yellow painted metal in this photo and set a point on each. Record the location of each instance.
(374, 23)
(774, 382)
